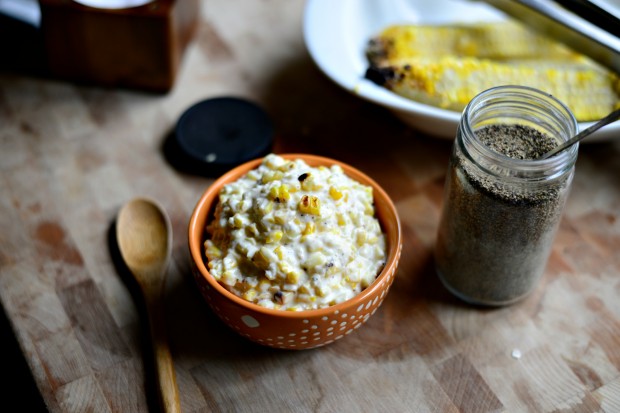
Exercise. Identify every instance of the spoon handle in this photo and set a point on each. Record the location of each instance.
(605, 121)
(166, 378)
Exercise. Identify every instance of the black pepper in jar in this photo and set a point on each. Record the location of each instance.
(501, 210)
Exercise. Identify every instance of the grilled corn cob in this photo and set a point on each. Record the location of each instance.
(447, 66)
(450, 82)
(497, 41)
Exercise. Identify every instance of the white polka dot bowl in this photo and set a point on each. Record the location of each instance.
(294, 329)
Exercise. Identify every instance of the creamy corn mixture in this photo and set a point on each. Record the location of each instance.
(294, 237)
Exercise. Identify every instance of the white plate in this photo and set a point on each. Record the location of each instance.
(336, 33)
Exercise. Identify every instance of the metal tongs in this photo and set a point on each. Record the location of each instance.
(580, 24)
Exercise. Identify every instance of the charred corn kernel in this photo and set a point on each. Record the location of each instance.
(310, 204)
(274, 237)
(309, 229)
(279, 193)
(336, 194)
(499, 41)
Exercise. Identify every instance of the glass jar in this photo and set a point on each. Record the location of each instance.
(501, 214)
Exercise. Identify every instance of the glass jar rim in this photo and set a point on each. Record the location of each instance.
(483, 154)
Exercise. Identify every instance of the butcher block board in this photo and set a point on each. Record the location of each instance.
(71, 156)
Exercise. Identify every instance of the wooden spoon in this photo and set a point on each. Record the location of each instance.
(144, 237)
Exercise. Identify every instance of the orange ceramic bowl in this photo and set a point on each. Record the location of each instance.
(293, 329)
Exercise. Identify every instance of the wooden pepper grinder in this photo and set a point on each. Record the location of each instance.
(135, 47)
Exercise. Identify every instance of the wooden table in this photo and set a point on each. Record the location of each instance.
(72, 155)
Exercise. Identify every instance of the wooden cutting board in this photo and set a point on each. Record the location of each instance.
(71, 156)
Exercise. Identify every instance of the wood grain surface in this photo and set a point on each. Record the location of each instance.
(71, 156)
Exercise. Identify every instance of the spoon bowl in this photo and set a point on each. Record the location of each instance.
(144, 237)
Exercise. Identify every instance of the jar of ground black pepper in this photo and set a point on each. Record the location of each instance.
(502, 206)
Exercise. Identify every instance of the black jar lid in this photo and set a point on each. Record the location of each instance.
(217, 134)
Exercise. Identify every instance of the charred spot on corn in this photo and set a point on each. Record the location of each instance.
(279, 194)
(310, 204)
(380, 75)
(303, 177)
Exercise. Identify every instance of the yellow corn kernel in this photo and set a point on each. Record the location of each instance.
(228, 278)
(341, 219)
(274, 237)
(310, 204)
(279, 193)
(251, 230)
(264, 285)
(360, 238)
(307, 182)
(334, 193)
(303, 290)
(229, 263)
(213, 251)
(292, 277)
(280, 217)
(260, 259)
(321, 291)
(268, 207)
(310, 228)
(269, 176)
(241, 249)
(278, 252)
(249, 295)
(238, 221)
(315, 259)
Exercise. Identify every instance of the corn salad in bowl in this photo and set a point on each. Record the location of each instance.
(294, 251)
(294, 237)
